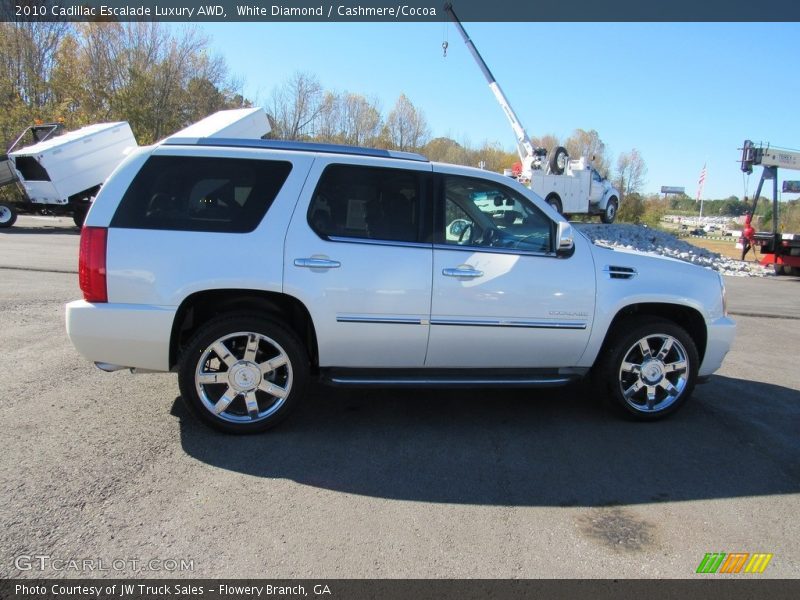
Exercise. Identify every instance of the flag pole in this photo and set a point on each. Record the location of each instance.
(700, 184)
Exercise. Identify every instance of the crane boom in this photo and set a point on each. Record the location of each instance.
(767, 156)
(524, 145)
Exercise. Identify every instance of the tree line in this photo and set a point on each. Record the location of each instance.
(161, 79)
(144, 73)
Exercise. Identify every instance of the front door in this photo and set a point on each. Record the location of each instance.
(501, 297)
(596, 189)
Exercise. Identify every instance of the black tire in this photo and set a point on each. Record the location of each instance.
(8, 216)
(623, 351)
(243, 379)
(78, 217)
(554, 201)
(609, 215)
(558, 160)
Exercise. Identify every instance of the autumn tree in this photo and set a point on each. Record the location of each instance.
(295, 107)
(445, 149)
(27, 60)
(406, 127)
(156, 78)
(547, 141)
(360, 120)
(631, 172)
(588, 144)
(632, 209)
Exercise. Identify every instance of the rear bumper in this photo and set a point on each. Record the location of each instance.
(721, 333)
(128, 335)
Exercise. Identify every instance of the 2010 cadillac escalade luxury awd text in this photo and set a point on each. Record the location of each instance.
(251, 266)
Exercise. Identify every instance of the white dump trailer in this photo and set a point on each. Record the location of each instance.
(65, 172)
(61, 174)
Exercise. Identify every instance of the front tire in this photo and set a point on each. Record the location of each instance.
(8, 216)
(243, 373)
(649, 368)
(610, 213)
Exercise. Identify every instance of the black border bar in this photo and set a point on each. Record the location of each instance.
(282, 11)
(733, 588)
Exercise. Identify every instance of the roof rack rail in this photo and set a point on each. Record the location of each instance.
(295, 146)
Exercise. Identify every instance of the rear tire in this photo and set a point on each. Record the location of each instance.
(78, 217)
(649, 368)
(610, 213)
(243, 373)
(8, 216)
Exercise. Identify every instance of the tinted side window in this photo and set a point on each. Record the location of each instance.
(367, 203)
(190, 193)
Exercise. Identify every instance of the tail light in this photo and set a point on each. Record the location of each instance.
(92, 264)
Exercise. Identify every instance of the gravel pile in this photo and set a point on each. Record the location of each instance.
(644, 239)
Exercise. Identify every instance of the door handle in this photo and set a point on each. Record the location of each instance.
(461, 272)
(317, 263)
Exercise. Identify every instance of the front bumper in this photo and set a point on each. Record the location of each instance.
(721, 333)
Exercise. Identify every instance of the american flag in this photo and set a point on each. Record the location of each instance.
(701, 182)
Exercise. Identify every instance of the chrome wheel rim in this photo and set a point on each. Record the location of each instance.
(611, 210)
(654, 373)
(243, 377)
(5, 214)
(561, 160)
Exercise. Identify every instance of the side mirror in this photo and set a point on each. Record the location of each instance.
(565, 244)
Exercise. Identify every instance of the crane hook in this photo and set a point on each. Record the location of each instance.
(444, 48)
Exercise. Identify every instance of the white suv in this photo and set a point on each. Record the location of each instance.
(251, 266)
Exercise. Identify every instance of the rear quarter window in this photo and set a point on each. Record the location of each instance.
(188, 193)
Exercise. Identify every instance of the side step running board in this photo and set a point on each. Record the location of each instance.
(365, 379)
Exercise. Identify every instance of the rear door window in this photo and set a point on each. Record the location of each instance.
(370, 203)
(188, 193)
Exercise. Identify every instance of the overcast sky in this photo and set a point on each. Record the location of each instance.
(683, 94)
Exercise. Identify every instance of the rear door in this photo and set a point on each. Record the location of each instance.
(501, 297)
(358, 255)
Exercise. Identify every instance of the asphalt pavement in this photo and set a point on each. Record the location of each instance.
(386, 483)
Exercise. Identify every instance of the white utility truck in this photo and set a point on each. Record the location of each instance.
(569, 186)
(580, 189)
(61, 173)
